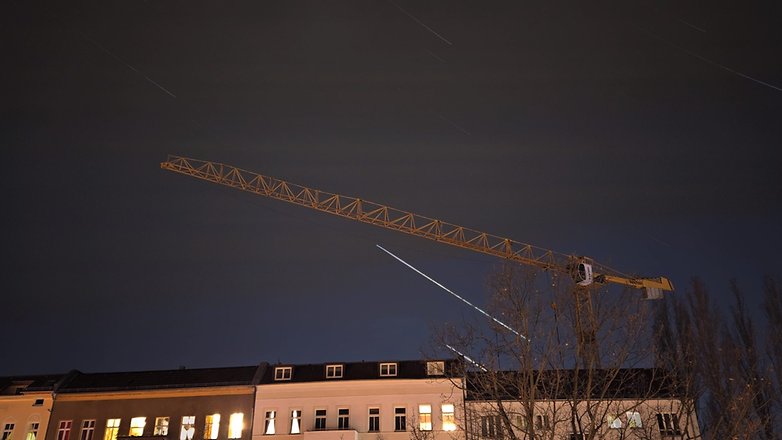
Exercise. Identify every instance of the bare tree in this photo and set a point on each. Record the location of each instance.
(569, 365)
(724, 368)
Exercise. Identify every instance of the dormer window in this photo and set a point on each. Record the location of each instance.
(283, 373)
(388, 369)
(334, 371)
(435, 368)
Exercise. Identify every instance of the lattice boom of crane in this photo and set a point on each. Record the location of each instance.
(392, 218)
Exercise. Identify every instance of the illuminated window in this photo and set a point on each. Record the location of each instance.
(32, 431)
(296, 421)
(400, 419)
(343, 418)
(63, 430)
(333, 371)
(425, 417)
(388, 369)
(188, 428)
(634, 419)
(235, 425)
(211, 426)
(161, 425)
(283, 373)
(137, 425)
(112, 428)
(435, 368)
(614, 422)
(374, 419)
(320, 419)
(87, 430)
(8, 431)
(269, 426)
(449, 421)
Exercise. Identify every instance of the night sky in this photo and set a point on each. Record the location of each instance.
(644, 134)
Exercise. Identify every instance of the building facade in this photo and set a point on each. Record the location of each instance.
(359, 401)
(185, 404)
(25, 405)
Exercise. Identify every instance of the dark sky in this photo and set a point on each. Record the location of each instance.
(644, 134)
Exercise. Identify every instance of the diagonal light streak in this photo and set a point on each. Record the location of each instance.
(453, 293)
(466, 358)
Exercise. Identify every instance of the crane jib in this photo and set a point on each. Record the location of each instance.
(583, 270)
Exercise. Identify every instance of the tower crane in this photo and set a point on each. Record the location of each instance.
(584, 270)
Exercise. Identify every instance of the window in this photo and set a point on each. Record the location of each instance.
(425, 417)
(333, 371)
(188, 428)
(296, 421)
(435, 368)
(161, 426)
(283, 373)
(577, 436)
(400, 419)
(211, 426)
(320, 419)
(521, 421)
(8, 431)
(634, 420)
(38, 402)
(137, 425)
(668, 424)
(268, 428)
(449, 421)
(32, 431)
(87, 430)
(374, 419)
(614, 422)
(542, 423)
(235, 425)
(343, 418)
(388, 369)
(63, 430)
(491, 427)
(112, 428)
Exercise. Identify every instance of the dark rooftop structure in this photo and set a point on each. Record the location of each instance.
(625, 383)
(163, 379)
(417, 369)
(11, 385)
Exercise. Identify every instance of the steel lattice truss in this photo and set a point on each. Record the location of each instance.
(396, 219)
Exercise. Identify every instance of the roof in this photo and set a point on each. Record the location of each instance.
(625, 383)
(363, 370)
(29, 384)
(163, 379)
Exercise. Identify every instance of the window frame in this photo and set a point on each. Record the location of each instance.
(32, 430)
(343, 418)
(8, 431)
(373, 416)
(135, 420)
(283, 373)
(448, 412)
(234, 431)
(400, 413)
(296, 416)
(212, 426)
(87, 431)
(157, 430)
(320, 419)
(111, 432)
(389, 366)
(64, 429)
(435, 368)
(333, 369)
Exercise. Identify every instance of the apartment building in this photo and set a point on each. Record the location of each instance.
(391, 400)
(25, 405)
(183, 404)
(578, 405)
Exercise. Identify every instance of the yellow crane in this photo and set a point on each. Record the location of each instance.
(584, 270)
